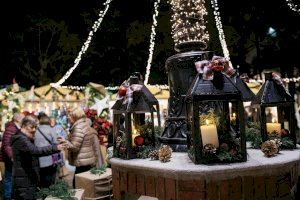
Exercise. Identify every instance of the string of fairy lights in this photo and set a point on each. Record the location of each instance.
(214, 4)
(182, 31)
(152, 42)
(85, 45)
(293, 6)
(188, 23)
(166, 87)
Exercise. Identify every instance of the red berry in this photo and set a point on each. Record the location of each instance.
(122, 91)
(139, 140)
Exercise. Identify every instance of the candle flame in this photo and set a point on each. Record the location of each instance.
(234, 115)
(207, 122)
(273, 120)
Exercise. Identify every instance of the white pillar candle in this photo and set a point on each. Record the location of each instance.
(271, 127)
(209, 134)
(286, 125)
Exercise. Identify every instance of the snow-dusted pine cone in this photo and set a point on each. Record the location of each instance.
(165, 153)
(278, 144)
(269, 148)
(209, 149)
(154, 155)
(118, 141)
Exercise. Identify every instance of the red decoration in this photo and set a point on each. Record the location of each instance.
(139, 140)
(100, 124)
(217, 66)
(284, 133)
(122, 91)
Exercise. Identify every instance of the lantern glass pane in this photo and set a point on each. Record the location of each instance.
(219, 131)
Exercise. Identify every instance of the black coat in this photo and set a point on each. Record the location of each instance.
(25, 170)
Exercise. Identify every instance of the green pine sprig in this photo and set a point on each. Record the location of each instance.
(59, 190)
(99, 170)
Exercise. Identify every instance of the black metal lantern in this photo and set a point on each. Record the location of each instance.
(276, 110)
(133, 119)
(211, 138)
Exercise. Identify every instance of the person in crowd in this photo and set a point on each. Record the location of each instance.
(97, 149)
(11, 128)
(60, 131)
(25, 171)
(81, 142)
(45, 136)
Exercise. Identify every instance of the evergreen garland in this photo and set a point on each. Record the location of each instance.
(144, 152)
(59, 190)
(253, 134)
(287, 143)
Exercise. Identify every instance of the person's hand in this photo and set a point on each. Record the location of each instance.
(61, 140)
(61, 147)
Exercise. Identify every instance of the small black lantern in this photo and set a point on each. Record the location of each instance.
(133, 119)
(276, 111)
(211, 137)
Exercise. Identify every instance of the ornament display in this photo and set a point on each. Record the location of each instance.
(216, 134)
(133, 114)
(276, 110)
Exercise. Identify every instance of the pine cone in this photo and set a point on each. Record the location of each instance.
(165, 153)
(154, 155)
(269, 148)
(209, 149)
(278, 144)
(118, 141)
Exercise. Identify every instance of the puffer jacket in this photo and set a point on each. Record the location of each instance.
(81, 144)
(25, 171)
(10, 129)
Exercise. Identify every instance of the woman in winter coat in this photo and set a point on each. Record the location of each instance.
(45, 135)
(81, 143)
(25, 170)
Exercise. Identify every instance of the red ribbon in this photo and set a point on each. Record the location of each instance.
(217, 64)
(129, 93)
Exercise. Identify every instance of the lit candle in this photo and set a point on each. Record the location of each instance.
(286, 125)
(271, 127)
(233, 118)
(209, 134)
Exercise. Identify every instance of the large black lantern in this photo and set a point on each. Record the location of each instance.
(276, 111)
(211, 137)
(133, 119)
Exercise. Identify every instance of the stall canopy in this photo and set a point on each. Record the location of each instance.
(48, 93)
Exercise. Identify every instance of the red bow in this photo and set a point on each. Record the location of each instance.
(129, 92)
(217, 64)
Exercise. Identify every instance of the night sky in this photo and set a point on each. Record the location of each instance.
(13, 20)
(115, 55)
